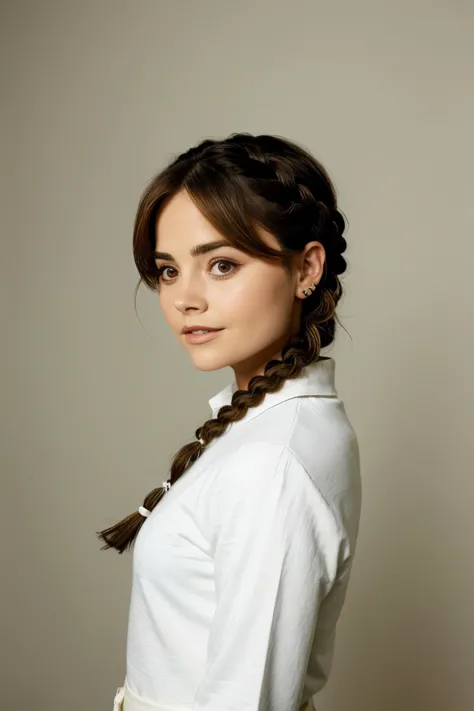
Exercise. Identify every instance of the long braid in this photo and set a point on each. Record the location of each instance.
(274, 182)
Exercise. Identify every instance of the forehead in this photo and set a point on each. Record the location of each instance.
(180, 226)
(180, 222)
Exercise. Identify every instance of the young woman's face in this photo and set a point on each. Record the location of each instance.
(252, 301)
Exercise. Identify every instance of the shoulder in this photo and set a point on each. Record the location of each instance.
(319, 490)
(264, 489)
(256, 462)
(265, 471)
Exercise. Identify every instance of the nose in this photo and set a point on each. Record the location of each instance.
(190, 300)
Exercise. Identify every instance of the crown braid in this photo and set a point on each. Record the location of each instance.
(278, 183)
(253, 160)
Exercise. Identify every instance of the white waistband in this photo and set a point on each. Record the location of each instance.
(127, 700)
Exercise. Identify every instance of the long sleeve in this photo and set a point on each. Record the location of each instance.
(276, 552)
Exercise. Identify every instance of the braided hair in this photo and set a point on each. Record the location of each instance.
(240, 183)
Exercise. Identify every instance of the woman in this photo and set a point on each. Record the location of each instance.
(242, 558)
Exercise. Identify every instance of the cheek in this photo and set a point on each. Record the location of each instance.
(168, 308)
(265, 298)
(258, 286)
(239, 299)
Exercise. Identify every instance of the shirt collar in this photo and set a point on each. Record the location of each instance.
(317, 378)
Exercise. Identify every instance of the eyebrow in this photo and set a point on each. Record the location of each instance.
(197, 250)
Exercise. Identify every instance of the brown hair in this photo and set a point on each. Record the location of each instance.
(239, 183)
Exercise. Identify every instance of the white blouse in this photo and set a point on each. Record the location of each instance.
(241, 570)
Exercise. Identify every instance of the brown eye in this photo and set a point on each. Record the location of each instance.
(160, 271)
(228, 263)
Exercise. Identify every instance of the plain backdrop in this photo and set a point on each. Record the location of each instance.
(99, 95)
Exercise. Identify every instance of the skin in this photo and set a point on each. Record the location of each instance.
(257, 303)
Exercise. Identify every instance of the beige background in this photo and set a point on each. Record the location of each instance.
(97, 95)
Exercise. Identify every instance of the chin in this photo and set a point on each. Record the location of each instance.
(212, 360)
(208, 365)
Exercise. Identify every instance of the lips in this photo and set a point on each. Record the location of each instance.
(197, 328)
(197, 338)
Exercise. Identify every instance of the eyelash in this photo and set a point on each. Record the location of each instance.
(161, 269)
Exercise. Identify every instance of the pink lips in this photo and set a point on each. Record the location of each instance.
(196, 338)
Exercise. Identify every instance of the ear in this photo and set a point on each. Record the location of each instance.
(311, 265)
